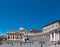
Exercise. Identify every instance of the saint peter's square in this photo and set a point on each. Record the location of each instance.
(48, 37)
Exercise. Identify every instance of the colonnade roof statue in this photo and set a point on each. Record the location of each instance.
(35, 31)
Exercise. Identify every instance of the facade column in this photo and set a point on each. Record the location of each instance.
(58, 36)
(51, 39)
(10, 37)
(54, 39)
(14, 37)
(46, 38)
(7, 37)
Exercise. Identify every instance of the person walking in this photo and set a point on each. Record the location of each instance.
(41, 45)
(12, 44)
(20, 43)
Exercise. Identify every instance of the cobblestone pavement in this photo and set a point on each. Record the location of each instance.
(28, 45)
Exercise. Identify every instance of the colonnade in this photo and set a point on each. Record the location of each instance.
(55, 36)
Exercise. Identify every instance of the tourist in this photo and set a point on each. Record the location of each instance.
(20, 43)
(12, 44)
(41, 45)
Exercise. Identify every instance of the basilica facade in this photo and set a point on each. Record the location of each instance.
(16, 35)
(50, 32)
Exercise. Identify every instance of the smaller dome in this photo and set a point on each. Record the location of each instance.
(21, 28)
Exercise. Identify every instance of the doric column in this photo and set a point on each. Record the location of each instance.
(14, 37)
(54, 39)
(58, 36)
(46, 38)
(7, 36)
(10, 37)
(51, 39)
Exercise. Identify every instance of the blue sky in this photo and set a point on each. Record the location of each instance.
(27, 13)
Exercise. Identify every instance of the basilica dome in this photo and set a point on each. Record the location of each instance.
(21, 28)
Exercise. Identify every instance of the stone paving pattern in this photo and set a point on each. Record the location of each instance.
(48, 44)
